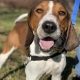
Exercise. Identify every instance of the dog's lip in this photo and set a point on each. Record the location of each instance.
(46, 43)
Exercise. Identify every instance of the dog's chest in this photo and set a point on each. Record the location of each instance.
(51, 66)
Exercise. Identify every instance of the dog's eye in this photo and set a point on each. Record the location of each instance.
(39, 10)
(62, 13)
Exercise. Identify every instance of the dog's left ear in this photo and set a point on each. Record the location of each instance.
(72, 40)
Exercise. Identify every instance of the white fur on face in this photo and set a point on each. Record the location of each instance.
(48, 17)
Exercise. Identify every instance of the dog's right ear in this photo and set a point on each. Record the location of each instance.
(19, 37)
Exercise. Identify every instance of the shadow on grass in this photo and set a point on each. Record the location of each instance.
(4, 33)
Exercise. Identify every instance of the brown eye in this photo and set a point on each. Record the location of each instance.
(62, 13)
(39, 10)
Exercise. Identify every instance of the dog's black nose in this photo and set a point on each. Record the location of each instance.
(49, 27)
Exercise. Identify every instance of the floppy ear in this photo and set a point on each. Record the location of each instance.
(19, 37)
(71, 40)
(25, 33)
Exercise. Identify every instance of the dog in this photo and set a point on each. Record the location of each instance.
(48, 33)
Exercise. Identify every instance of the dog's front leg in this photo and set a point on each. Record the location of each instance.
(56, 77)
(30, 75)
(34, 70)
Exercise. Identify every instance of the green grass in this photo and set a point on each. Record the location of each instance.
(78, 21)
(7, 18)
(78, 24)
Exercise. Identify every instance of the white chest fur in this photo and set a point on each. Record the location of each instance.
(35, 69)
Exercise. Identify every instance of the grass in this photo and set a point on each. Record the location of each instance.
(78, 22)
(7, 18)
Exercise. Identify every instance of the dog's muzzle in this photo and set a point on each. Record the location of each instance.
(48, 34)
(48, 42)
(49, 27)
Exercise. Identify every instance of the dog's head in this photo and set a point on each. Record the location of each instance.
(51, 25)
(49, 22)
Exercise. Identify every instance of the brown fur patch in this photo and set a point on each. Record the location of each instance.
(62, 19)
(36, 17)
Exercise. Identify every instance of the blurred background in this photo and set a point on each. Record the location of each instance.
(27, 3)
(9, 11)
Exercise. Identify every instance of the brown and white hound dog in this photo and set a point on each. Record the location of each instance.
(49, 33)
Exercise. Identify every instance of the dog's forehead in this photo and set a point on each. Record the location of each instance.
(47, 4)
(43, 3)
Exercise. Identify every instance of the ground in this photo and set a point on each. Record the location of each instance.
(7, 17)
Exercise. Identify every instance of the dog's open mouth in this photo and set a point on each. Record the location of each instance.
(46, 43)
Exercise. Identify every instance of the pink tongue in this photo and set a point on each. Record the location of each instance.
(46, 45)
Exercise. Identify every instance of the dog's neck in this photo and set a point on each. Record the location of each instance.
(36, 52)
